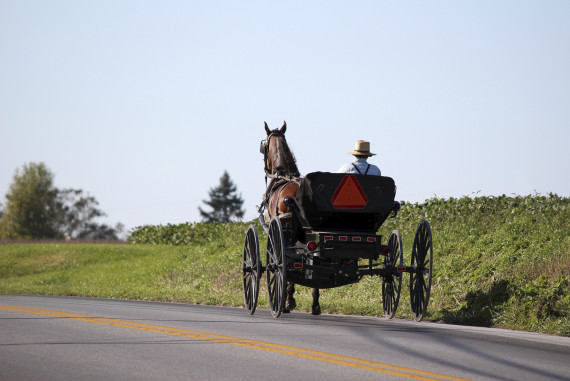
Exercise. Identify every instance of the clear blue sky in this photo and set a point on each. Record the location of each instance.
(144, 104)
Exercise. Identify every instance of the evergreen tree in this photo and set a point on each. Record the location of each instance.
(224, 201)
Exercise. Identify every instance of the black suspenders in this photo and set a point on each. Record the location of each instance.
(355, 167)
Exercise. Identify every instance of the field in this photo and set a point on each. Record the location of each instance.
(499, 262)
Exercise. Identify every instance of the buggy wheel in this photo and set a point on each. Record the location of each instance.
(422, 265)
(251, 269)
(392, 283)
(275, 267)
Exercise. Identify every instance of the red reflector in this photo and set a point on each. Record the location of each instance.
(401, 269)
(328, 238)
(384, 249)
(298, 265)
(357, 239)
(312, 246)
(343, 238)
(371, 239)
(349, 194)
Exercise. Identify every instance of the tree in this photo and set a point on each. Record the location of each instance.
(76, 215)
(96, 231)
(36, 209)
(224, 201)
(31, 206)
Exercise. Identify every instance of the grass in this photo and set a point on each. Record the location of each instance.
(499, 262)
(142, 272)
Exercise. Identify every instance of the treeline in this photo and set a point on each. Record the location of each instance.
(36, 209)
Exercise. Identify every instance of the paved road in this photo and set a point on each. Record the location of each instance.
(57, 338)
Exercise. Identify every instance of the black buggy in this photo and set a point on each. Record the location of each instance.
(330, 239)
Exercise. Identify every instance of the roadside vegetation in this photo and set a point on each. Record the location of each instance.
(498, 262)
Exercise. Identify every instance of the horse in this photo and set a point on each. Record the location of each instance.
(281, 167)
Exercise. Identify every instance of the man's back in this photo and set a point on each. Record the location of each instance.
(360, 166)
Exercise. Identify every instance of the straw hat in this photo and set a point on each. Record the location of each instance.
(362, 148)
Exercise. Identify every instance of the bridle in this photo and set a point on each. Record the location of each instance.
(264, 149)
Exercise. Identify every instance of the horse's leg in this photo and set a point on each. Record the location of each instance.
(316, 308)
(290, 302)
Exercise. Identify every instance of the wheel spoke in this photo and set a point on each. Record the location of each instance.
(248, 294)
(248, 264)
(426, 288)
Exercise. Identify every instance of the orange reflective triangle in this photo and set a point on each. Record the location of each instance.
(349, 194)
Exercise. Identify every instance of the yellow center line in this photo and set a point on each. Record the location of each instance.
(255, 344)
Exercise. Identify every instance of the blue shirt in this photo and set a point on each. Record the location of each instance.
(361, 164)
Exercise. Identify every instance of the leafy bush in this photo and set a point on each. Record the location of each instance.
(190, 234)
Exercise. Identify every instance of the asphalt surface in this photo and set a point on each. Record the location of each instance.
(64, 338)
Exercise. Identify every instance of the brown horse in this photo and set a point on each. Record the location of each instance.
(281, 168)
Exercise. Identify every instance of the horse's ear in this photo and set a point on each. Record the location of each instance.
(284, 128)
(267, 129)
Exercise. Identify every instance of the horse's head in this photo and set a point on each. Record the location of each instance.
(279, 160)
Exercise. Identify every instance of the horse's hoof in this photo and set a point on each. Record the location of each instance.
(290, 304)
(315, 310)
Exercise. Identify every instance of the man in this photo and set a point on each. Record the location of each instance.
(360, 165)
